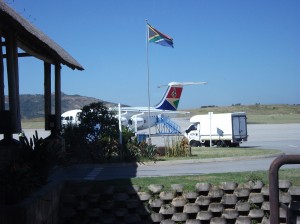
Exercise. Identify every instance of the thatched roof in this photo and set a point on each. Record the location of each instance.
(32, 40)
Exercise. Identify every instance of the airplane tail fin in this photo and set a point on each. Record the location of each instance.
(171, 98)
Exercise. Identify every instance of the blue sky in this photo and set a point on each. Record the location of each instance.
(247, 51)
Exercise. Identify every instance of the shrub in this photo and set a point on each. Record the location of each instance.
(139, 151)
(96, 138)
(31, 170)
(98, 123)
(42, 154)
(178, 147)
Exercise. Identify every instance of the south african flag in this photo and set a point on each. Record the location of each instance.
(155, 36)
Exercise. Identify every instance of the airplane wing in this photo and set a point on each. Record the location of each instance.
(184, 84)
(151, 109)
(128, 112)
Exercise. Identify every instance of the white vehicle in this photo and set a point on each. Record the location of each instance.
(70, 117)
(226, 129)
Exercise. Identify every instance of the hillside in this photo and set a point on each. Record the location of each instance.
(257, 109)
(258, 113)
(32, 105)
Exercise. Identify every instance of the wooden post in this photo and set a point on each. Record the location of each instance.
(47, 94)
(2, 95)
(17, 87)
(57, 97)
(13, 82)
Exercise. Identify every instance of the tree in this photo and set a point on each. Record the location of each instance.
(96, 138)
(98, 123)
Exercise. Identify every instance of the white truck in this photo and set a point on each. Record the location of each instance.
(225, 129)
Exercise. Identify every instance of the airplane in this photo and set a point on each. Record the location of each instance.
(70, 117)
(139, 118)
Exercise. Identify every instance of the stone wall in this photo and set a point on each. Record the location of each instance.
(81, 202)
(229, 202)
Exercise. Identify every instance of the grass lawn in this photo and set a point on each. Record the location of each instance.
(259, 114)
(292, 175)
(189, 182)
(214, 152)
(33, 124)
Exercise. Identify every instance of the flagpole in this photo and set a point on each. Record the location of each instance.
(148, 73)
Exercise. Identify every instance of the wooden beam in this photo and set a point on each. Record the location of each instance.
(40, 55)
(47, 94)
(23, 54)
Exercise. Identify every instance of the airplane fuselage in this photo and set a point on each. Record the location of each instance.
(140, 118)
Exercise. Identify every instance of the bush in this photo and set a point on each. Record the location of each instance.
(95, 139)
(139, 151)
(179, 147)
(31, 170)
(98, 123)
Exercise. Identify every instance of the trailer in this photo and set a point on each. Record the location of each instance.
(222, 130)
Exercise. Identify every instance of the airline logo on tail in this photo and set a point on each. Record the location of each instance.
(171, 99)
